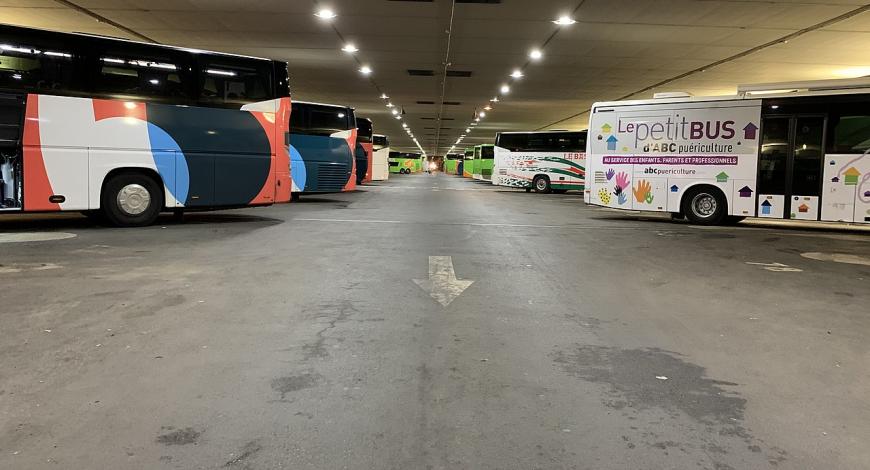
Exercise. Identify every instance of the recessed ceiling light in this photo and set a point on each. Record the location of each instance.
(487, 107)
(398, 117)
(477, 119)
(404, 125)
(384, 96)
(481, 114)
(517, 74)
(390, 105)
(468, 130)
(505, 89)
(350, 48)
(565, 20)
(325, 14)
(395, 111)
(495, 99)
(536, 54)
(365, 70)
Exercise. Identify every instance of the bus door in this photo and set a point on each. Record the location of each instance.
(790, 166)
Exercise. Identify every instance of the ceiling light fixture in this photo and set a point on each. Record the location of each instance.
(481, 114)
(395, 112)
(505, 89)
(325, 14)
(564, 20)
(468, 130)
(390, 105)
(350, 48)
(517, 74)
(384, 96)
(487, 107)
(398, 117)
(536, 54)
(365, 70)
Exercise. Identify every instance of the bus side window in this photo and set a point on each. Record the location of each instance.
(144, 73)
(38, 67)
(234, 82)
(326, 121)
(298, 119)
(851, 134)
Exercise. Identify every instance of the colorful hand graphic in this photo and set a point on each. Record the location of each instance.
(643, 191)
(610, 174)
(622, 198)
(604, 196)
(622, 180)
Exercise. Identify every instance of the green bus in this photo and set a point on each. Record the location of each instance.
(451, 163)
(468, 163)
(484, 158)
(405, 162)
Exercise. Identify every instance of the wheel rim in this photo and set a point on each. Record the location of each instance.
(704, 205)
(541, 184)
(134, 199)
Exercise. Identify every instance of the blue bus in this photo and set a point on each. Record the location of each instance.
(322, 145)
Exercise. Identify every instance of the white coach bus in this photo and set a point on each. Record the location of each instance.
(551, 161)
(794, 150)
(380, 157)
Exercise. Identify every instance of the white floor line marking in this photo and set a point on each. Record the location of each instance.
(354, 221)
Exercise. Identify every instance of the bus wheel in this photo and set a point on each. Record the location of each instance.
(704, 205)
(132, 200)
(541, 184)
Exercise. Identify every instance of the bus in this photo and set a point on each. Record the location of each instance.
(796, 150)
(124, 130)
(451, 163)
(484, 158)
(380, 158)
(322, 145)
(405, 162)
(468, 163)
(550, 161)
(364, 150)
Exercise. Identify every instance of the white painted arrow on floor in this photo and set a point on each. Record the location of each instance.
(442, 284)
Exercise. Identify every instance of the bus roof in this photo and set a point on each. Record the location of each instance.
(540, 132)
(132, 41)
(322, 104)
(759, 91)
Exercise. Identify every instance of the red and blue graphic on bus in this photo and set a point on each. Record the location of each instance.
(323, 163)
(205, 157)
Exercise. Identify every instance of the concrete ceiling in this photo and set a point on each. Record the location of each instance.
(617, 48)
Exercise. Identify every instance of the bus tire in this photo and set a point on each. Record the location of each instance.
(704, 205)
(541, 183)
(131, 199)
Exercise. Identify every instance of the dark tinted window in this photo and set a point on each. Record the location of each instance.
(808, 156)
(364, 129)
(381, 141)
(774, 155)
(234, 81)
(132, 70)
(487, 153)
(851, 134)
(45, 66)
(298, 121)
(323, 120)
(543, 142)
